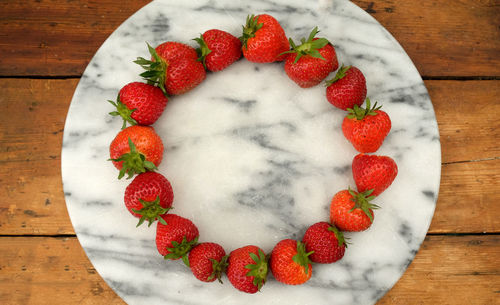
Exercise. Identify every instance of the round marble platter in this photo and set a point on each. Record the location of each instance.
(252, 158)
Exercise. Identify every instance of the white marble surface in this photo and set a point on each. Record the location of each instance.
(252, 157)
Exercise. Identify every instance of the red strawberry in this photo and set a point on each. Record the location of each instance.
(175, 239)
(310, 63)
(347, 88)
(326, 243)
(366, 128)
(135, 150)
(373, 173)
(247, 269)
(148, 196)
(208, 261)
(263, 39)
(218, 49)
(139, 103)
(351, 211)
(289, 262)
(174, 67)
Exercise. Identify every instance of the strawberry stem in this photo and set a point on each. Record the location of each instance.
(342, 240)
(181, 250)
(218, 267)
(134, 162)
(302, 257)
(249, 29)
(203, 50)
(156, 69)
(362, 201)
(360, 113)
(259, 270)
(308, 47)
(151, 211)
(123, 111)
(340, 74)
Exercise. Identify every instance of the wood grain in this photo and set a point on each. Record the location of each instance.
(54, 38)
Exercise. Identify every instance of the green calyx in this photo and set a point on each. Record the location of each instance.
(360, 113)
(218, 267)
(123, 111)
(362, 201)
(181, 250)
(259, 270)
(302, 257)
(340, 74)
(151, 211)
(156, 69)
(203, 50)
(133, 162)
(308, 47)
(339, 235)
(252, 25)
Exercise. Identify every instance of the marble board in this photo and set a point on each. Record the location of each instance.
(252, 158)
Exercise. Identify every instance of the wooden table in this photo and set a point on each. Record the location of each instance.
(45, 46)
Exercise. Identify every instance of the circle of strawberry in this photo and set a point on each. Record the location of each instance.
(309, 63)
(218, 49)
(208, 261)
(176, 238)
(290, 263)
(136, 149)
(352, 211)
(372, 172)
(174, 67)
(347, 88)
(139, 103)
(366, 128)
(325, 241)
(263, 39)
(148, 196)
(247, 268)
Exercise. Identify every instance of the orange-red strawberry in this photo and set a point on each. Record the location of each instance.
(148, 196)
(289, 262)
(136, 149)
(351, 211)
(366, 128)
(208, 261)
(263, 39)
(326, 243)
(247, 268)
(218, 49)
(309, 63)
(175, 239)
(347, 88)
(174, 67)
(139, 103)
(373, 173)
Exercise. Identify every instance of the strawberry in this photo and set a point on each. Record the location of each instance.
(139, 103)
(366, 128)
(347, 88)
(136, 149)
(208, 261)
(310, 63)
(176, 238)
(373, 173)
(218, 49)
(148, 196)
(263, 39)
(174, 67)
(351, 211)
(289, 262)
(326, 243)
(247, 268)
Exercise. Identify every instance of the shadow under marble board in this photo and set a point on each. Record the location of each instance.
(252, 158)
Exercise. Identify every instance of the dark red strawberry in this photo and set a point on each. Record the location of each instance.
(290, 263)
(366, 128)
(218, 49)
(373, 173)
(148, 196)
(175, 239)
(136, 149)
(247, 268)
(351, 211)
(326, 243)
(347, 88)
(264, 39)
(174, 68)
(139, 103)
(311, 62)
(208, 261)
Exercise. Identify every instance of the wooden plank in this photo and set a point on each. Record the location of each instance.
(44, 270)
(60, 37)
